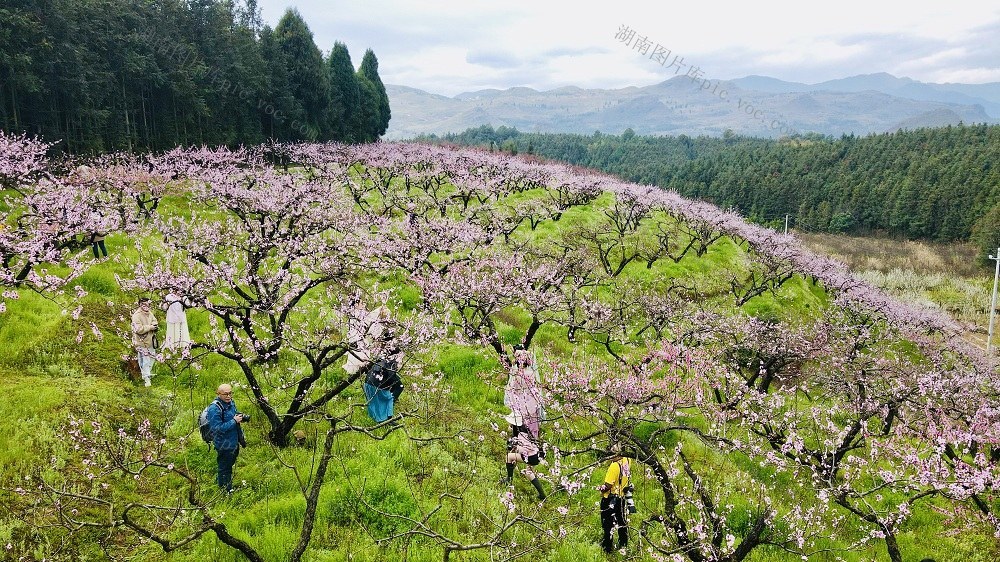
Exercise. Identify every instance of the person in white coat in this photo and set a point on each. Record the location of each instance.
(177, 324)
(366, 336)
(144, 326)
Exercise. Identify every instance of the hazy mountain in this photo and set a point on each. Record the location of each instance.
(936, 118)
(768, 84)
(755, 105)
(986, 95)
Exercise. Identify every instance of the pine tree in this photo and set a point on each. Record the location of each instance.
(278, 99)
(345, 97)
(368, 114)
(986, 235)
(308, 79)
(369, 70)
(101, 75)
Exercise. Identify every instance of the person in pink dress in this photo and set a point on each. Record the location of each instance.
(523, 393)
(522, 448)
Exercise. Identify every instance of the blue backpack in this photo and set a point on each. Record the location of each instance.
(205, 426)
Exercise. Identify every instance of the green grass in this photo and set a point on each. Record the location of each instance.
(397, 476)
(45, 376)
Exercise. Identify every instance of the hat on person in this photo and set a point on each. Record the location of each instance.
(514, 418)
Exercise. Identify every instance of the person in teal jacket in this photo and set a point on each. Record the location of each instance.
(383, 386)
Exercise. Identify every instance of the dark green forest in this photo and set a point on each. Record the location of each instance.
(107, 75)
(940, 184)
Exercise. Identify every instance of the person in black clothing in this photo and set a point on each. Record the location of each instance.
(97, 243)
(614, 513)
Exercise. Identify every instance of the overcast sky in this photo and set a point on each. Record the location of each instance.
(450, 46)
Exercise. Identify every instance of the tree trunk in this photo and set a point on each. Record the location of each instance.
(312, 498)
(13, 105)
(891, 546)
(145, 123)
(128, 131)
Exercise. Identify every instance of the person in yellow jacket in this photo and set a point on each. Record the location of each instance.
(613, 510)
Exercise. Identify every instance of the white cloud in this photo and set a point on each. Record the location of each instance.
(968, 75)
(450, 46)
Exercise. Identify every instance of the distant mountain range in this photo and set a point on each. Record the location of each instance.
(754, 105)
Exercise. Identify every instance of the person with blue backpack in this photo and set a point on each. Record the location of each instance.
(225, 421)
(382, 385)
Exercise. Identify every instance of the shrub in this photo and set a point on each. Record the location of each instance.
(366, 508)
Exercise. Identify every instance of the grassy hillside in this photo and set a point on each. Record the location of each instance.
(944, 276)
(656, 322)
